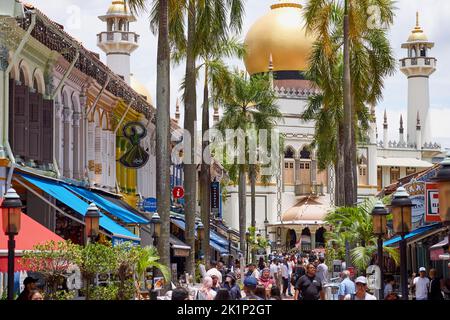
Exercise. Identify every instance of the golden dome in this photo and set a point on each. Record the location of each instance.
(417, 33)
(141, 89)
(118, 7)
(279, 33)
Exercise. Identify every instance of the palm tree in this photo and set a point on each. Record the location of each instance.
(161, 24)
(354, 224)
(367, 59)
(249, 106)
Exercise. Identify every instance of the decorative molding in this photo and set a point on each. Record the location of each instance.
(283, 92)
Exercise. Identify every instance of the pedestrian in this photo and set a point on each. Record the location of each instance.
(261, 264)
(261, 292)
(180, 293)
(309, 287)
(389, 286)
(252, 271)
(223, 294)
(322, 270)
(265, 280)
(206, 292)
(221, 268)
(285, 276)
(436, 286)
(275, 272)
(291, 266)
(232, 287)
(30, 284)
(275, 294)
(35, 295)
(421, 285)
(361, 290)
(346, 287)
(250, 284)
(298, 271)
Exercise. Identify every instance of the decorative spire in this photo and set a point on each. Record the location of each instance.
(417, 19)
(270, 63)
(385, 124)
(418, 121)
(177, 111)
(401, 124)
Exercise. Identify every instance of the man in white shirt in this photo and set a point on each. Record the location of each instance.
(361, 290)
(275, 272)
(285, 276)
(322, 270)
(421, 284)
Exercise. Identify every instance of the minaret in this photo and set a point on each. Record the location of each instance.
(385, 131)
(401, 130)
(118, 42)
(177, 112)
(271, 71)
(418, 133)
(418, 66)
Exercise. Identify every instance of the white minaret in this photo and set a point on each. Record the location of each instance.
(118, 42)
(418, 67)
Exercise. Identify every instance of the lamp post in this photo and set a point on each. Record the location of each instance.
(11, 208)
(156, 226)
(229, 231)
(247, 240)
(92, 220)
(443, 180)
(401, 215)
(201, 236)
(379, 214)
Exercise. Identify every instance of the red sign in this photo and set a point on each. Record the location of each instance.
(178, 192)
(432, 203)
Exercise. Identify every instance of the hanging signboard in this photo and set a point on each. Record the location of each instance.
(178, 192)
(432, 203)
(416, 190)
(150, 205)
(215, 197)
(135, 157)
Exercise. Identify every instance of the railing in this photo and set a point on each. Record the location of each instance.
(309, 189)
(118, 35)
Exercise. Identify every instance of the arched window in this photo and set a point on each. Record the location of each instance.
(423, 51)
(22, 77)
(305, 153)
(289, 153)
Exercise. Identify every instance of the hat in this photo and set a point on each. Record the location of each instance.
(361, 279)
(29, 280)
(250, 282)
(231, 275)
(422, 269)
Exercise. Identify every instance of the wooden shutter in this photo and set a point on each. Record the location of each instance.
(34, 126)
(20, 121)
(47, 131)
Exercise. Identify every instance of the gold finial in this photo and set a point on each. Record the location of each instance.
(270, 62)
(417, 18)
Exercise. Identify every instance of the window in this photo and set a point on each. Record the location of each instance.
(395, 174)
(291, 165)
(410, 171)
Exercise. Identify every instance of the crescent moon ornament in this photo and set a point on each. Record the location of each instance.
(135, 157)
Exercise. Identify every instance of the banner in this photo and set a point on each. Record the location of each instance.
(215, 197)
(432, 203)
(416, 190)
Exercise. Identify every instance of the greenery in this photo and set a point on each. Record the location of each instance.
(257, 243)
(355, 226)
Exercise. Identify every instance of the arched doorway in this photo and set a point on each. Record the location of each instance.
(320, 238)
(306, 240)
(291, 239)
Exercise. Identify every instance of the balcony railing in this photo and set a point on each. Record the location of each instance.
(309, 190)
(117, 36)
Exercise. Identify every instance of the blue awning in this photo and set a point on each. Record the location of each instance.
(413, 233)
(57, 191)
(218, 248)
(115, 210)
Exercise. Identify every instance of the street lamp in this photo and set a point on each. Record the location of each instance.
(201, 236)
(247, 240)
(401, 215)
(11, 208)
(229, 231)
(92, 220)
(156, 224)
(379, 214)
(443, 180)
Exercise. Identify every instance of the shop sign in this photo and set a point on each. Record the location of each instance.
(135, 157)
(432, 203)
(416, 190)
(178, 192)
(215, 197)
(180, 253)
(118, 241)
(150, 205)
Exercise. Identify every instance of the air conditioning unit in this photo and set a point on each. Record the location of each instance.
(11, 8)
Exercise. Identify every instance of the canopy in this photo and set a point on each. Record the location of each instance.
(308, 210)
(115, 210)
(57, 191)
(402, 162)
(31, 233)
(414, 233)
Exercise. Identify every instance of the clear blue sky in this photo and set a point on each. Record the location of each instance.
(80, 19)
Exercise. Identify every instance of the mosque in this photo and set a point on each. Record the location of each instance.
(290, 210)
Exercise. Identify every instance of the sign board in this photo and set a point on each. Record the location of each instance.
(373, 273)
(337, 268)
(432, 203)
(117, 241)
(215, 197)
(416, 190)
(135, 156)
(149, 205)
(178, 192)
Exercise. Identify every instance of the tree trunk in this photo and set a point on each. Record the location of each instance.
(353, 155)
(205, 172)
(242, 206)
(163, 134)
(190, 118)
(253, 193)
(340, 173)
(348, 165)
